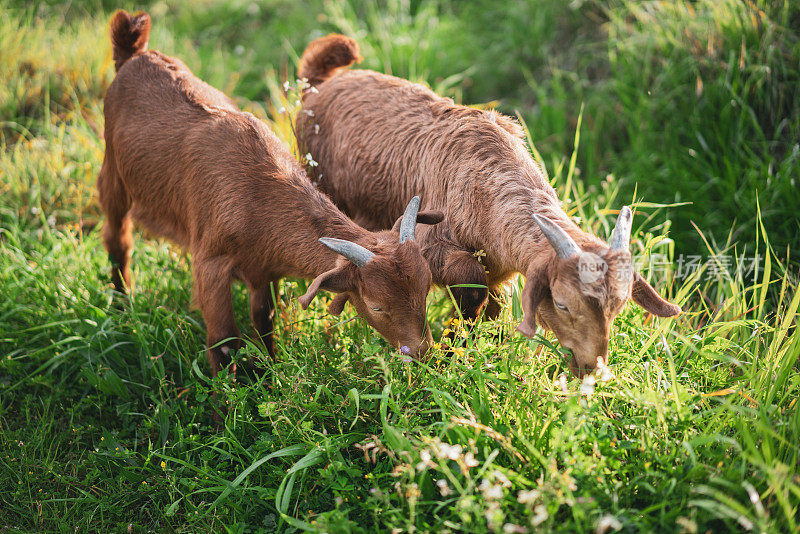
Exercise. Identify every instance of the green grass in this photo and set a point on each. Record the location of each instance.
(105, 407)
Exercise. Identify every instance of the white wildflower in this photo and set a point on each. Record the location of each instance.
(316, 129)
(444, 489)
(608, 523)
(511, 528)
(528, 496)
(494, 492)
(587, 386)
(490, 491)
(239, 50)
(313, 90)
(425, 460)
(562, 381)
(441, 449)
(540, 515)
(447, 451)
(502, 479)
(309, 112)
(310, 160)
(606, 374)
(455, 452)
(282, 110)
(470, 461)
(286, 85)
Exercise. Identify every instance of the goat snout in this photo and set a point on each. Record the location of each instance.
(575, 366)
(581, 367)
(577, 369)
(419, 347)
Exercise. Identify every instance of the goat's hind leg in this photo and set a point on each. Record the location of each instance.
(118, 230)
(463, 269)
(493, 304)
(452, 266)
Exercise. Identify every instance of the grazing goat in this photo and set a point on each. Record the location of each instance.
(187, 164)
(379, 139)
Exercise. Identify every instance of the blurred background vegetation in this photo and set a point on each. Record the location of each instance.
(694, 102)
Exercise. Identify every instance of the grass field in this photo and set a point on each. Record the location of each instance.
(105, 419)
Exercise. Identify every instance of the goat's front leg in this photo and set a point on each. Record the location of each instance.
(212, 294)
(262, 313)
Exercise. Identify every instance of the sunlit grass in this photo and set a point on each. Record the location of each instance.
(105, 417)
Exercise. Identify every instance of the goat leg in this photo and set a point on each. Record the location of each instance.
(212, 294)
(118, 230)
(262, 313)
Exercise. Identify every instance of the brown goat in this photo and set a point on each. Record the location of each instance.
(185, 162)
(379, 139)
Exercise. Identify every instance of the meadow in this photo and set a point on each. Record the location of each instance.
(690, 111)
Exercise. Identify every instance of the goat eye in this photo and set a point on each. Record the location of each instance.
(559, 305)
(376, 308)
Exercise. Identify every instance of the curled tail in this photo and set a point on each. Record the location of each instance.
(129, 35)
(325, 56)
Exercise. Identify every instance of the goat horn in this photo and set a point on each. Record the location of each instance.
(353, 252)
(409, 222)
(621, 236)
(563, 244)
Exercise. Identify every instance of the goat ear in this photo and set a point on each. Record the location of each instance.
(532, 294)
(645, 296)
(337, 280)
(429, 217)
(336, 307)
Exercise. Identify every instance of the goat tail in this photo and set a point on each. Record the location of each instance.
(325, 56)
(129, 35)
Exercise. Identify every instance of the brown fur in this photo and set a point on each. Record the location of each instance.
(183, 161)
(379, 140)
